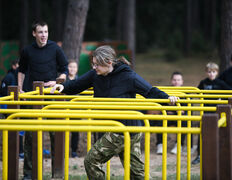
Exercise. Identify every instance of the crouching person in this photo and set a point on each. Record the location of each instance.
(111, 77)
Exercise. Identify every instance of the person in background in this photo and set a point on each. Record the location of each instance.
(72, 75)
(226, 75)
(113, 78)
(11, 79)
(210, 83)
(176, 80)
(43, 60)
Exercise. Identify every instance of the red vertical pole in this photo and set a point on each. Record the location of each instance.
(210, 147)
(59, 149)
(13, 142)
(225, 144)
(36, 84)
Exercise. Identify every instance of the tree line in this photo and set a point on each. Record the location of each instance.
(185, 26)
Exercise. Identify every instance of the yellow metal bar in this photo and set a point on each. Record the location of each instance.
(147, 151)
(164, 155)
(126, 156)
(102, 116)
(189, 147)
(108, 170)
(5, 155)
(134, 100)
(200, 136)
(40, 153)
(178, 155)
(177, 87)
(132, 129)
(66, 154)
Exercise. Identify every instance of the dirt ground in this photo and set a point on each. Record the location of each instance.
(76, 166)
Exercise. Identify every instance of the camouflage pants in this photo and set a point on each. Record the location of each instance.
(105, 148)
(27, 168)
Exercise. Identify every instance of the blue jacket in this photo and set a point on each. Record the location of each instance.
(122, 82)
(9, 80)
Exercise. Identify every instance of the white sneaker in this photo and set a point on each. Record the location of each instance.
(159, 149)
(193, 149)
(174, 150)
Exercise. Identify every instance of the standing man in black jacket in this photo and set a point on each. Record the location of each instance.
(40, 61)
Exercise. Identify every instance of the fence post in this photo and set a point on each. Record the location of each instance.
(225, 144)
(36, 84)
(210, 146)
(59, 144)
(13, 141)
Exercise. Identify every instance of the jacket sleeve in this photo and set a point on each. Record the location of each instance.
(62, 61)
(145, 89)
(156, 93)
(23, 62)
(201, 85)
(224, 85)
(80, 84)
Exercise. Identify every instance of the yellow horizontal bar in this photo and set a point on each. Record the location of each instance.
(131, 129)
(66, 113)
(122, 107)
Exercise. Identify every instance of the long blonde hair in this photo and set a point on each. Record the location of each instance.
(104, 54)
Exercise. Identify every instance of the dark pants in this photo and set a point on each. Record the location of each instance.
(27, 168)
(74, 141)
(97, 135)
(170, 123)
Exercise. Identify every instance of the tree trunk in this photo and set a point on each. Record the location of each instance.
(187, 28)
(129, 27)
(74, 28)
(23, 39)
(226, 34)
(58, 14)
(1, 20)
(213, 15)
(195, 14)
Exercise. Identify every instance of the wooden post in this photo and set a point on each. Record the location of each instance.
(210, 146)
(13, 142)
(230, 101)
(36, 84)
(59, 150)
(225, 144)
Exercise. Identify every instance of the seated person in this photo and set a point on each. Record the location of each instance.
(176, 80)
(210, 83)
(72, 75)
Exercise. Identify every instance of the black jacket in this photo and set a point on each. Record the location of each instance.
(9, 80)
(226, 76)
(216, 84)
(122, 82)
(42, 63)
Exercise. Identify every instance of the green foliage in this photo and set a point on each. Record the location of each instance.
(74, 167)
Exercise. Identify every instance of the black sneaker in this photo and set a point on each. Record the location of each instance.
(196, 160)
(27, 177)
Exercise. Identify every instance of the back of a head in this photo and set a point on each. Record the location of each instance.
(106, 53)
